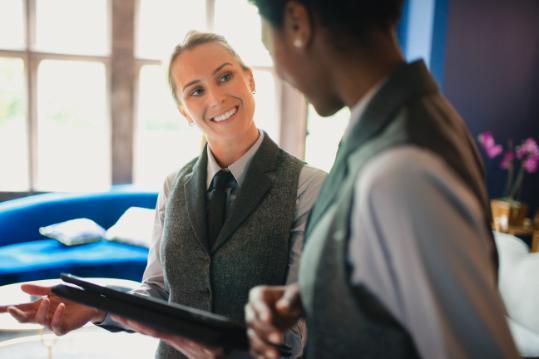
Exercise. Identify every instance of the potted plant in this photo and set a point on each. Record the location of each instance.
(509, 211)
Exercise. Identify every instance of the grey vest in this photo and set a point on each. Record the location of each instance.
(252, 248)
(350, 322)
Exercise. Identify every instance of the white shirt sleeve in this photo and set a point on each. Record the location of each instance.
(309, 184)
(153, 283)
(419, 244)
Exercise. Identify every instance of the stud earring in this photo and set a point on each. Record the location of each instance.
(254, 92)
(298, 43)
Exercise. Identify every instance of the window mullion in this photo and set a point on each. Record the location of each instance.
(31, 65)
(210, 15)
(122, 67)
(293, 121)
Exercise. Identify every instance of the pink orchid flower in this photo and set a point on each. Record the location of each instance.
(491, 148)
(528, 148)
(531, 163)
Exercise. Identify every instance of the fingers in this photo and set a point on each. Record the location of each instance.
(19, 315)
(263, 329)
(290, 302)
(57, 323)
(260, 348)
(42, 313)
(33, 289)
(260, 303)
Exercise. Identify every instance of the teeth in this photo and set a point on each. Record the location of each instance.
(225, 116)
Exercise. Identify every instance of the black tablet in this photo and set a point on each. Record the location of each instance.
(205, 327)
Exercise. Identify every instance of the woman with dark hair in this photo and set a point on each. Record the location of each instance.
(229, 220)
(399, 259)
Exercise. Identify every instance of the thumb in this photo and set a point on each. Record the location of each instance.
(289, 301)
(33, 289)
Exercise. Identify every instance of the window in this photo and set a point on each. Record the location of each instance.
(84, 99)
(54, 117)
(323, 137)
(13, 126)
(73, 150)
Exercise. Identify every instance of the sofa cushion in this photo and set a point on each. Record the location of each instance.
(134, 227)
(47, 258)
(21, 218)
(74, 232)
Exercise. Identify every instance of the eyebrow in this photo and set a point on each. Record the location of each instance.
(213, 73)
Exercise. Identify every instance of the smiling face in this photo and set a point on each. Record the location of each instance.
(215, 93)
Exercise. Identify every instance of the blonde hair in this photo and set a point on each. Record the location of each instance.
(192, 40)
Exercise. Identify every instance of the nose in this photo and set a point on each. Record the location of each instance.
(216, 96)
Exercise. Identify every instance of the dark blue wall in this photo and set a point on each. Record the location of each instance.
(491, 75)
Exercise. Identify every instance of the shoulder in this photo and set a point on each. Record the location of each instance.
(172, 178)
(310, 181)
(409, 176)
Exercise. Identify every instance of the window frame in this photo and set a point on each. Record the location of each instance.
(122, 70)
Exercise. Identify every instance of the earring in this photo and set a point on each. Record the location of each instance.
(190, 124)
(298, 43)
(254, 92)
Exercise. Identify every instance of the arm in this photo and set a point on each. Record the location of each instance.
(273, 313)
(152, 280)
(418, 242)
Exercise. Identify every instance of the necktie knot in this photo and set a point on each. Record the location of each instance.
(221, 180)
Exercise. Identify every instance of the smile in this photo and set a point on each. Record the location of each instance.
(225, 116)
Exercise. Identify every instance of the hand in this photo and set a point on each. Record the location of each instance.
(188, 347)
(53, 312)
(269, 313)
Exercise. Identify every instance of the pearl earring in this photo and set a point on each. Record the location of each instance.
(298, 43)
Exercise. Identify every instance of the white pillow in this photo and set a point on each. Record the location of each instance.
(518, 280)
(74, 232)
(134, 227)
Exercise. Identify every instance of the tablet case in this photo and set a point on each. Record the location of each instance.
(195, 324)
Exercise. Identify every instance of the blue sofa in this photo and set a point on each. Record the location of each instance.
(26, 255)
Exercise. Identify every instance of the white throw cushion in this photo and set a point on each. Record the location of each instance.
(519, 288)
(74, 232)
(133, 227)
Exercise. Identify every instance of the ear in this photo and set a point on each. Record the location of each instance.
(185, 114)
(251, 79)
(297, 25)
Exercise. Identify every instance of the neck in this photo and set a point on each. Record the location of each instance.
(355, 73)
(228, 151)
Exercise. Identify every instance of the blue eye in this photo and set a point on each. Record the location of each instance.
(226, 77)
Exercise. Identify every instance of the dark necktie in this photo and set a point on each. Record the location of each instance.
(216, 210)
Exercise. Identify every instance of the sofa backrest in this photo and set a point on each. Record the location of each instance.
(21, 218)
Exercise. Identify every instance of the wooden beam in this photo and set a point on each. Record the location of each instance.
(293, 125)
(122, 75)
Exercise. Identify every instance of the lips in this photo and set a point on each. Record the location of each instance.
(225, 115)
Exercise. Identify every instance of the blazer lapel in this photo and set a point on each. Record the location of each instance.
(195, 195)
(257, 183)
(407, 83)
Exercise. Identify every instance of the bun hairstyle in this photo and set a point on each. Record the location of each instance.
(352, 19)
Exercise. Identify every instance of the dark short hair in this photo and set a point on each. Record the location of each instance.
(350, 18)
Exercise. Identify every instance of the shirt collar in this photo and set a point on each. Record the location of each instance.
(359, 108)
(238, 168)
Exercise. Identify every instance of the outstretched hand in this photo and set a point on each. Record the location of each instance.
(270, 312)
(53, 312)
(190, 348)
